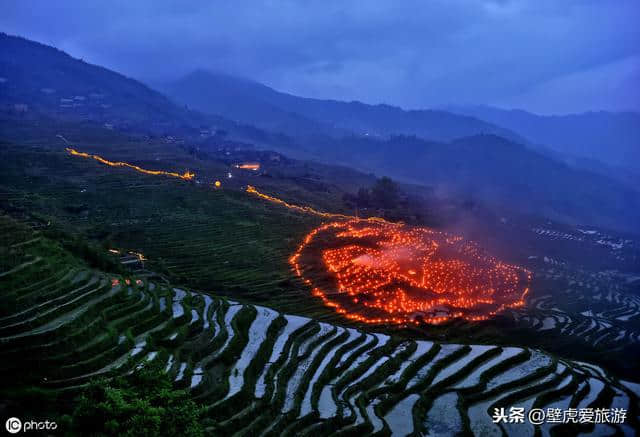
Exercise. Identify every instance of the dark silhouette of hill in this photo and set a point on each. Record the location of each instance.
(244, 101)
(37, 80)
(469, 160)
(498, 172)
(50, 81)
(252, 102)
(610, 137)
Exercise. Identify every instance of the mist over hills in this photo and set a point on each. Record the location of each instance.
(610, 137)
(521, 163)
(245, 101)
(461, 156)
(500, 173)
(49, 80)
(252, 102)
(37, 80)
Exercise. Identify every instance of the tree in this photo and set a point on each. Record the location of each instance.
(363, 199)
(141, 404)
(385, 193)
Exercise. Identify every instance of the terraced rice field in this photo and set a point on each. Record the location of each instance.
(259, 371)
(193, 234)
(599, 308)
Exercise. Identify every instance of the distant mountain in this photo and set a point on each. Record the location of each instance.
(610, 137)
(40, 78)
(244, 101)
(251, 102)
(37, 80)
(497, 172)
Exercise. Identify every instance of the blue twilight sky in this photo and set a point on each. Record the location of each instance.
(546, 56)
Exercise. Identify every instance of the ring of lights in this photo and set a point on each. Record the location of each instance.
(384, 273)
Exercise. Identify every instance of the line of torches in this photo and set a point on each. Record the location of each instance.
(187, 175)
(390, 269)
(309, 210)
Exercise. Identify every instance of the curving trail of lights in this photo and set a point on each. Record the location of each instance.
(186, 175)
(374, 271)
(383, 274)
(308, 210)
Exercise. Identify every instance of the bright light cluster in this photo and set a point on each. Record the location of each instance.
(380, 273)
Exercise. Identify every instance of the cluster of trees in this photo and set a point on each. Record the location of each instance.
(383, 194)
(143, 403)
(95, 255)
(385, 198)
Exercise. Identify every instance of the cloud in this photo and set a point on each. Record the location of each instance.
(411, 53)
(612, 86)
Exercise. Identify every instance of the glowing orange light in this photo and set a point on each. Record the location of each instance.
(374, 272)
(386, 272)
(253, 166)
(217, 184)
(308, 210)
(186, 175)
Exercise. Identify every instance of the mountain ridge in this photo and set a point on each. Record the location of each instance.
(481, 166)
(215, 92)
(38, 80)
(610, 137)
